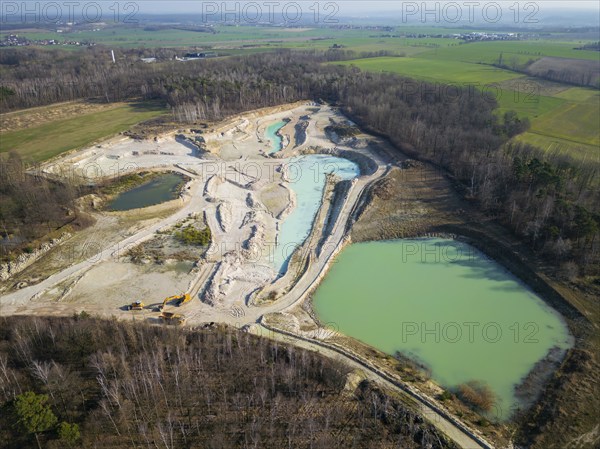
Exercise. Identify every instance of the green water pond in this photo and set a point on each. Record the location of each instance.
(158, 190)
(445, 305)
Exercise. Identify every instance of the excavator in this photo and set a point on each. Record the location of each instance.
(137, 305)
(183, 299)
(180, 299)
(172, 318)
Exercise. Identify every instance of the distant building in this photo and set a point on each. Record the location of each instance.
(202, 55)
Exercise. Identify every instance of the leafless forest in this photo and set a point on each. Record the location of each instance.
(109, 384)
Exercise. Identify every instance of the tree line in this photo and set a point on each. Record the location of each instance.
(576, 72)
(31, 205)
(32, 77)
(82, 382)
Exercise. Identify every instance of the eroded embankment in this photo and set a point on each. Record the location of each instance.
(339, 196)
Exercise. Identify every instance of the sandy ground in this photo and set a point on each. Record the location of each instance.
(243, 193)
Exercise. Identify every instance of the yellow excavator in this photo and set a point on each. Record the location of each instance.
(180, 299)
(172, 318)
(183, 299)
(137, 305)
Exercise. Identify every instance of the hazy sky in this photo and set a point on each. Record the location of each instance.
(359, 5)
(397, 12)
(392, 12)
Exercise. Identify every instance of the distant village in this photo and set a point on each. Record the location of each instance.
(466, 37)
(14, 40)
(389, 31)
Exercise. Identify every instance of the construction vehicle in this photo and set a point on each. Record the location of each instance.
(183, 299)
(137, 305)
(180, 299)
(172, 318)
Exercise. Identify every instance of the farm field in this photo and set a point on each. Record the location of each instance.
(140, 37)
(570, 127)
(172, 37)
(396, 46)
(563, 118)
(488, 52)
(39, 143)
(575, 121)
(435, 70)
(252, 37)
(553, 144)
(235, 40)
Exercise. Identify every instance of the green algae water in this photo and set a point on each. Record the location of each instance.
(271, 134)
(446, 305)
(158, 190)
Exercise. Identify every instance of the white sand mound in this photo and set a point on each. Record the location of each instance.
(292, 201)
(224, 215)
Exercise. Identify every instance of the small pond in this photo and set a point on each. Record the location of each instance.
(271, 134)
(160, 189)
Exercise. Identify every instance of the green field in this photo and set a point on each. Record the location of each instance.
(563, 118)
(251, 38)
(573, 121)
(435, 70)
(50, 139)
(526, 102)
(589, 153)
(140, 37)
(572, 127)
(246, 39)
(580, 94)
(395, 46)
(520, 95)
(488, 52)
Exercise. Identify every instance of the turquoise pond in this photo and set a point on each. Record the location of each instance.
(307, 175)
(274, 138)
